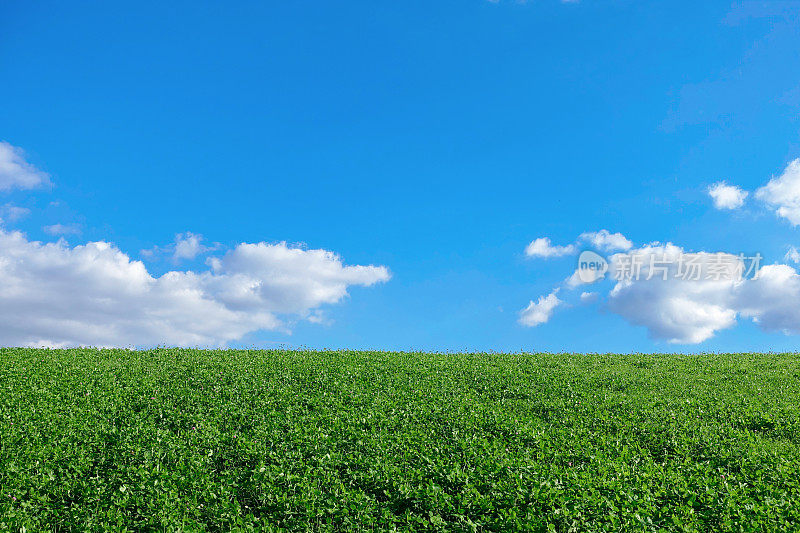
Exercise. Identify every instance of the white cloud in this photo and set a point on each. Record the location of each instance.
(692, 311)
(318, 317)
(287, 280)
(792, 255)
(588, 297)
(15, 172)
(94, 294)
(12, 213)
(680, 310)
(606, 241)
(542, 247)
(62, 229)
(783, 193)
(539, 312)
(188, 246)
(772, 299)
(727, 196)
(677, 310)
(602, 240)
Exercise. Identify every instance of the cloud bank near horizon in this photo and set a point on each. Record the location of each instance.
(55, 294)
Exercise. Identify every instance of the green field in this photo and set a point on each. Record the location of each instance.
(279, 440)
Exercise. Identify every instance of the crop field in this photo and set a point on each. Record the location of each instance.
(172, 439)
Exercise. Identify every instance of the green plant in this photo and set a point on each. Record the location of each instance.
(174, 439)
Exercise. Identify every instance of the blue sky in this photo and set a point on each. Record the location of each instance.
(428, 142)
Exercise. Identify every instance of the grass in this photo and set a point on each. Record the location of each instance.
(169, 439)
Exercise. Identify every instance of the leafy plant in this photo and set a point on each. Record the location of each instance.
(173, 439)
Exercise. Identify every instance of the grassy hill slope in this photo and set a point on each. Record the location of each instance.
(175, 439)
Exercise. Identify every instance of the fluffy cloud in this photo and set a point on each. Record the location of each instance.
(678, 310)
(16, 173)
(783, 193)
(542, 247)
(602, 240)
(727, 196)
(94, 294)
(62, 229)
(12, 213)
(606, 241)
(690, 311)
(772, 299)
(588, 297)
(188, 246)
(282, 279)
(539, 312)
(688, 298)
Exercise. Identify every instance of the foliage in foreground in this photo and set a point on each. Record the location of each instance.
(218, 440)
